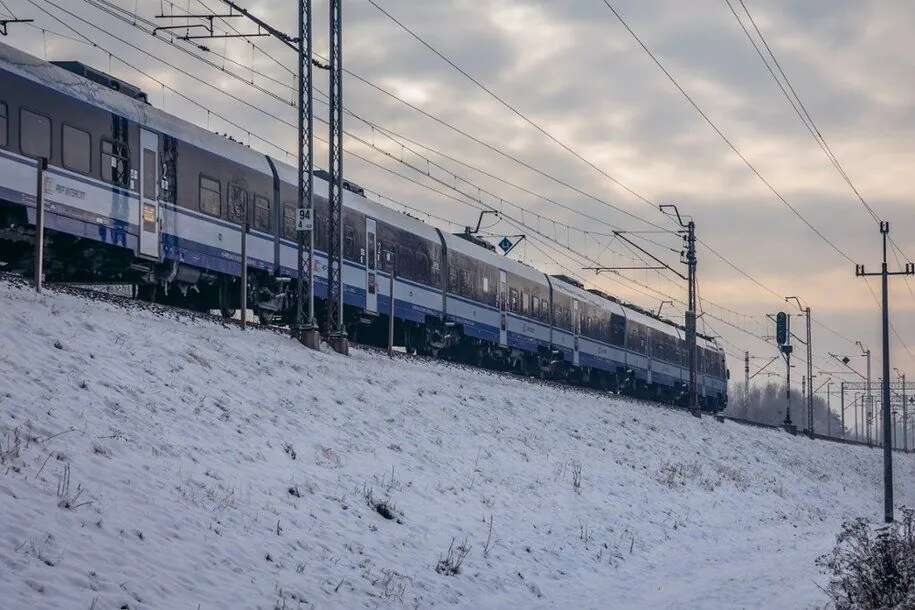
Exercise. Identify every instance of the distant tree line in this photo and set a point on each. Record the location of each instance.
(766, 404)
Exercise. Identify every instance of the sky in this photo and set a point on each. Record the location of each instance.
(574, 70)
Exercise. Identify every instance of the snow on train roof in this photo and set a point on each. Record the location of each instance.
(57, 78)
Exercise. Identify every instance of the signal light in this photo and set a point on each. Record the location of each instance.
(781, 328)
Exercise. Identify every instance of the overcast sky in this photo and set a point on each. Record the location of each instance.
(572, 68)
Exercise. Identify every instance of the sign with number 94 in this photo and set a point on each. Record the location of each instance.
(303, 220)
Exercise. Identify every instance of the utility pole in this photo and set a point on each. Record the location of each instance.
(304, 331)
(804, 401)
(858, 413)
(307, 330)
(905, 413)
(688, 257)
(746, 383)
(809, 395)
(887, 424)
(867, 415)
(691, 318)
(893, 442)
(336, 326)
(828, 409)
(842, 407)
(691, 261)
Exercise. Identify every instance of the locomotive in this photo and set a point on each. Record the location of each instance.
(135, 195)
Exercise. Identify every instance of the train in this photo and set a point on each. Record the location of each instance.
(135, 195)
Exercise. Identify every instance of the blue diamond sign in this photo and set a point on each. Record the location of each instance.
(505, 244)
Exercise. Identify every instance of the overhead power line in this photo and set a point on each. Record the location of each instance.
(795, 100)
(511, 107)
(724, 137)
(800, 109)
(737, 151)
(542, 130)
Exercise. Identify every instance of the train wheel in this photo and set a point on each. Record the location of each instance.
(147, 292)
(224, 297)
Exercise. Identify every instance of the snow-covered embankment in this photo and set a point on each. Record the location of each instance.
(166, 462)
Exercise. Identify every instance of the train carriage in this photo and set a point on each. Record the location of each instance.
(133, 194)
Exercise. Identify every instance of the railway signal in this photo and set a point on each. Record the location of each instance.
(783, 338)
(781, 328)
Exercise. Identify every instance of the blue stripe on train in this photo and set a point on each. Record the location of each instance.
(599, 362)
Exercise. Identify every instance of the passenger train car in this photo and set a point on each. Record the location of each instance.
(134, 194)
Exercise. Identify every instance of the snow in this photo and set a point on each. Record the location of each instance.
(217, 468)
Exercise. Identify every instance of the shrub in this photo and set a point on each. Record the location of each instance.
(450, 564)
(873, 568)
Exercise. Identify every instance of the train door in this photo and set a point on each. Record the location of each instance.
(576, 329)
(149, 195)
(503, 309)
(371, 263)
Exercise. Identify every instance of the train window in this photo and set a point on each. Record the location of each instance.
(422, 267)
(77, 150)
(485, 285)
(513, 299)
(617, 329)
(149, 173)
(114, 162)
(4, 124)
(262, 213)
(238, 203)
(34, 134)
(637, 338)
(210, 196)
(168, 183)
(289, 214)
(371, 250)
(349, 243)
